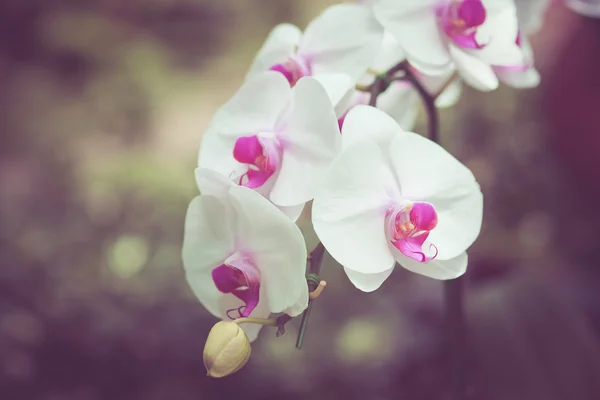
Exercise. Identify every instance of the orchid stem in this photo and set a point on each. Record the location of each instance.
(317, 292)
(453, 289)
(433, 124)
(455, 321)
(314, 267)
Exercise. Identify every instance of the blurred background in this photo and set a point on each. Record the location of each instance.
(102, 108)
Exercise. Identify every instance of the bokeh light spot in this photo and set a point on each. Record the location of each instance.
(127, 256)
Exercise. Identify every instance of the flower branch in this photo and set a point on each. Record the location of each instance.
(428, 102)
(289, 113)
(453, 293)
(315, 259)
(285, 318)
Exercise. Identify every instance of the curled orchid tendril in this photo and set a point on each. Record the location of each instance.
(433, 246)
(240, 310)
(424, 258)
(317, 292)
(280, 321)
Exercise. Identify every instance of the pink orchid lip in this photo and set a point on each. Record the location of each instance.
(409, 228)
(460, 19)
(261, 154)
(238, 276)
(293, 69)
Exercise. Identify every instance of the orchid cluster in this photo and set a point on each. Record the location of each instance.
(315, 153)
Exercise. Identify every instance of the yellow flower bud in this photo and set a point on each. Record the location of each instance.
(227, 349)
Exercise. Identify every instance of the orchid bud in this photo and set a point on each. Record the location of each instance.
(227, 349)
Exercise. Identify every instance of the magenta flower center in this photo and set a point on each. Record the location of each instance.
(293, 69)
(409, 228)
(239, 276)
(261, 155)
(460, 19)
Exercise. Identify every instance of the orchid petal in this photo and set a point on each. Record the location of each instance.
(349, 211)
(216, 152)
(415, 26)
(344, 38)
(520, 76)
(207, 242)
(300, 305)
(499, 32)
(436, 269)
(212, 183)
(279, 46)
(215, 184)
(474, 71)
(292, 212)
(276, 245)
(254, 108)
(367, 282)
(304, 222)
(207, 239)
(339, 88)
(428, 173)
(436, 83)
(202, 286)
(401, 102)
(433, 70)
(390, 54)
(310, 139)
(450, 95)
(366, 122)
(515, 78)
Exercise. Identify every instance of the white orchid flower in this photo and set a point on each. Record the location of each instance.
(275, 139)
(393, 196)
(242, 256)
(336, 48)
(470, 36)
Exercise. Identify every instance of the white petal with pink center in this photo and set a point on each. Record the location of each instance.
(274, 139)
(344, 39)
(395, 196)
(439, 36)
(242, 256)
